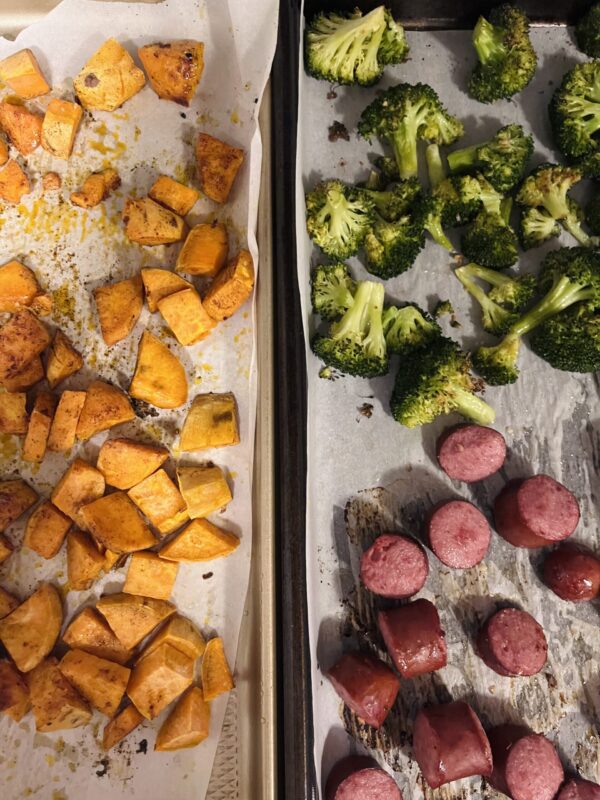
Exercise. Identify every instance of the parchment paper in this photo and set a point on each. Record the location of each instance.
(369, 474)
(73, 251)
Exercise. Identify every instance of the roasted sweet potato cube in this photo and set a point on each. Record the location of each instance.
(81, 484)
(105, 407)
(211, 422)
(124, 462)
(23, 76)
(42, 304)
(6, 548)
(64, 424)
(132, 617)
(40, 421)
(96, 188)
(173, 523)
(15, 498)
(60, 127)
(14, 693)
(14, 183)
(84, 561)
(148, 577)
(174, 195)
(8, 603)
(147, 222)
(3, 152)
(64, 360)
(159, 283)
(174, 69)
(187, 725)
(13, 415)
(158, 678)
(23, 127)
(119, 306)
(56, 704)
(18, 286)
(204, 251)
(110, 559)
(109, 78)
(32, 374)
(159, 376)
(31, 630)
(184, 314)
(215, 672)
(90, 632)
(157, 497)
(200, 541)
(46, 530)
(181, 634)
(121, 726)
(218, 164)
(231, 288)
(115, 522)
(102, 683)
(22, 338)
(204, 489)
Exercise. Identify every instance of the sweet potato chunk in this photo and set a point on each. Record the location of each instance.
(81, 484)
(173, 523)
(96, 188)
(90, 632)
(147, 222)
(187, 725)
(121, 726)
(119, 306)
(211, 422)
(200, 541)
(157, 497)
(64, 360)
(22, 74)
(64, 424)
(159, 376)
(216, 675)
(8, 603)
(14, 693)
(204, 489)
(22, 338)
(105, 407)
(18, 286)
(23, 127)
(60, 127)
(174, 195)
(184, 314)
(56, 704)
(109, 78)
(124, 462)
(30, 631)
(34, 446)
(181, 634)
(174, 69)
(13, 416)
(32, 374)
(46, 530)
(231, 288)
(204, 252)
(3, 152)
(132, 617)
(6, 548)
(159, 283)
(84, 561)
(116, 523)
(218, 164)
(148, 577)
(14, 183)
(102, 683)
(158, 679)
(15, 498)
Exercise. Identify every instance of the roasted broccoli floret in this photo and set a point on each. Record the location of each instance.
(443, 308)
(590, 166)
(338, 218)
(461, 195)
(507, 60)
(592, 213)
(575, 111)
(490, 241)
(501, 305)
(353, 48)
(571, 340)
(394, 202)
(408, 329)
(535, 226)
(332, 290)
(430, 215)
(356, 344)
(501, 161)
(587, 32)
(435, 381)
(392, 247)
(402, 115)
(388, 168)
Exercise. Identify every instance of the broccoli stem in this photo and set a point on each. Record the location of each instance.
(506, 208)
(575, 229)
(435, 166)
(404, 142)
(358, 317)
(434, 227)
(490, 276)
(487, 40)
(464, 159)
(473, 407)
(562, 295)
(492, 313)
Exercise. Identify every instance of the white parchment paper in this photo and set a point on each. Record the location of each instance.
(74, 250)
(366, 475)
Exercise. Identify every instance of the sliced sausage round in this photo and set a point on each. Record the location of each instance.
(512, 643)
(449, 743)
(360, 778)
(533, 769)
(502, 738)
(573, 573)
(471, 452)
(578, 789)
(458, 533)
(535, 512)
(394, 566)
(366, 685)
(414, 638)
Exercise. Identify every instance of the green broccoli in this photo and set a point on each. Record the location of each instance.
(394, 202)
(590, 166)
(508, 296)
(587, 32)
(507, 60)
(575, 111)
(462, 198)
(332, 290)
(592, 213)
(353, 48)
(443, 308)
(392, 247)
(490, 241)
(435, 381)
(501, 160)
(435, 166)
(356, 344)
(408, 329)
(338, 218)
(430, 216)
(402, 115)
(536, 226)
(571, 340)
(388, 168)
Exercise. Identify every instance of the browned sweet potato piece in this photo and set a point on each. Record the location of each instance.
(158, 679)
(14, 694)
(81, 484)
(121, 726)
(22, 338)
(56, 704)
(30, 631)
(174, 69)
(90, 632)
(115, 522)
(204, 489)
(105, 407)
(84, 561)
(64, 424)
(32, 374)
(187, 725)
(181, 634)
(51, 182)
(8, 603)
(40, 421)
(96, 188)
(23, 76)
(174, 195)
(13, 416)
(23, 127)
(15, 498)
(108, 79)
(124, 462)
(150, 576)
(46, 530)
(158, 497)
(147, 222)
(186, 317)
(231, 288)
(60, 127)
(119, 306)
(218, 164)
(63, 360)
(18, 286)
(204, 252)
(132, 617)
(3, 152)
(216, 675)
(6, 548)
(159, 283)
(101, 682)
(159, 376)
(14, 183)
(200, 541)
(210, 422)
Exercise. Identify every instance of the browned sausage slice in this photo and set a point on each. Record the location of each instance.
(366, 685)
(578, 789)
(512, 643)
(471, 452)
(394, 566)
(414, 638)
(360, 778)
(449, 743)
(533, 769)
(502, 738)
(573, 573)
(458, 533)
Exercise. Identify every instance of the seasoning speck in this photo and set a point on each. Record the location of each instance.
(207, 575)
(338, 131)
(142, 746)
